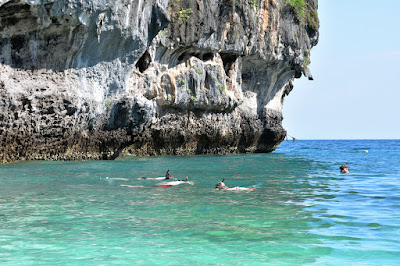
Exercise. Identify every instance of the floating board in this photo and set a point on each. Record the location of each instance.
(163, 185)
(175, 183)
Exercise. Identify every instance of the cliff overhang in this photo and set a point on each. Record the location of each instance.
(94, 80)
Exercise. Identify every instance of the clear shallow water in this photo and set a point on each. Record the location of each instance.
(304, 213)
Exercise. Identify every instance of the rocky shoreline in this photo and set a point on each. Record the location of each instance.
(89, 80)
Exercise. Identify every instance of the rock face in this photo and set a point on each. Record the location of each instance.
(93, 79)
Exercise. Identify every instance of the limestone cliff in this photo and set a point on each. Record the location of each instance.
(92, 79)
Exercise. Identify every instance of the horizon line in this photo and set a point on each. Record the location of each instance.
(290, 138)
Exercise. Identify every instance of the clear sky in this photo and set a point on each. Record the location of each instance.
(355, 93)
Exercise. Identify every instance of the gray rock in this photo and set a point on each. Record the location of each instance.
(92, 79)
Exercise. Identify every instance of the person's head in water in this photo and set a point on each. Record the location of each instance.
(344, 168)
(221, 185)
(184, 179)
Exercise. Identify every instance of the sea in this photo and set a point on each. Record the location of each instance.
(303, 211)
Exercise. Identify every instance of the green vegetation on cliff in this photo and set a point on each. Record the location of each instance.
(179, 11)
(312, 18)
(299, 6)
(305, 14)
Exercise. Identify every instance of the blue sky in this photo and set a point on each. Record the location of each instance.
(355, 93)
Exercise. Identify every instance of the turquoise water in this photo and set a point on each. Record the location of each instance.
(304, 213)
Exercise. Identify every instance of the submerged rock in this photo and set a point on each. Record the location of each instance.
(95, 79)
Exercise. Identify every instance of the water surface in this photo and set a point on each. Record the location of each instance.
(304, 212)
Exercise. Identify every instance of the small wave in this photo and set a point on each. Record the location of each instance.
(130, 186)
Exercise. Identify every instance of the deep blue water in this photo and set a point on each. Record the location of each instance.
(305, 211)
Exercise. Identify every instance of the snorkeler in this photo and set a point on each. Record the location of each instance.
(221, 185)
(344, 169)
(168, 175)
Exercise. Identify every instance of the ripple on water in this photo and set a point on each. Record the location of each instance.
(305, 212)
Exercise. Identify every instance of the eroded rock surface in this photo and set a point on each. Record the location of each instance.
(92, 79)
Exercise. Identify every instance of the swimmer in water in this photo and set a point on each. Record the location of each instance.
(168, 175)
(221, 185)
(184, 180)
(344, 169)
